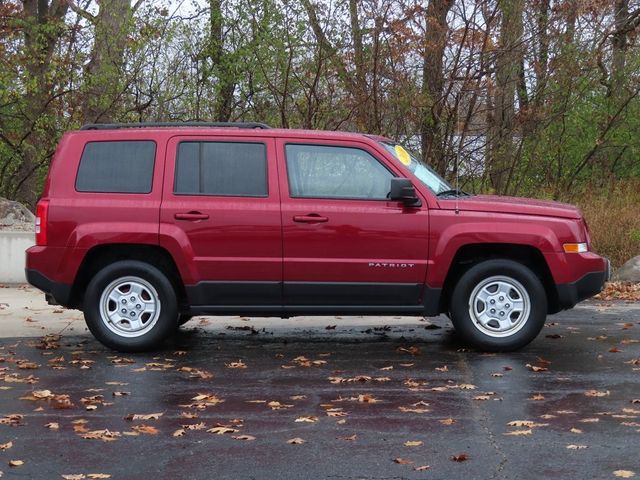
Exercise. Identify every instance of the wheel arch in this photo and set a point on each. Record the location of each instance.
(471, 254)
(100, 256)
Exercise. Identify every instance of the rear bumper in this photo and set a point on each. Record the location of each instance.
(56, 293)
(592, 283)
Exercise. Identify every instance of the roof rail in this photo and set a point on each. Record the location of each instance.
(115, 126)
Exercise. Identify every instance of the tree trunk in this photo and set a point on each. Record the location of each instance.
(104, 74)
(432, 137)
(42, 30)
(221, 64)
(361, 93)
(507, 65)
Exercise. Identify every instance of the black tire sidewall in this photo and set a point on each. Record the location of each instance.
(459, 305)
(167, 320)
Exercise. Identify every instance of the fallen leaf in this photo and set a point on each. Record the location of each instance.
(410, 350)
(307, 419)
(367, 398)
(238, 364)
(519, 432)
(178, 433)
(148, 416)
(535, 368)
(575, 430)
(145, 429)
(402, 461)
(422, 468)
(98, 475)
(461, 457)
(277, 405)
(6, 446)
(243, 437)
(624, 473)
(447, 421)
(521, 423)
(296, 441)
(15, 463)
(597, 393)
(74, 476)
(576, 447)
(413, 443)
(221, 430)
(537, 397)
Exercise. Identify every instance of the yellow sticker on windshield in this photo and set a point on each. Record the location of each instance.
(403, 155)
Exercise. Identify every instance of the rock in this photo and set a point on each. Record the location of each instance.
(629, 272)
(15, 215)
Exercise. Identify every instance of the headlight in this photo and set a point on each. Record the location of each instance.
(575, 248)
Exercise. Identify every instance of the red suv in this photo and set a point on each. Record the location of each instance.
(144, 225)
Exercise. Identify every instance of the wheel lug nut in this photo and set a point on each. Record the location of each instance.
(124, 300)
(138, 306)
(501, 298)
(133, 299)
(502, 314)
(507, 305)
(493, 310)
(124, 310)
(133, 314)
(492, 302)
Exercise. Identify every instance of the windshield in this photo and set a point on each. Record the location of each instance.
(425, 173)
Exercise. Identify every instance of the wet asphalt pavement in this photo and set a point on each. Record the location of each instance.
(354, 396)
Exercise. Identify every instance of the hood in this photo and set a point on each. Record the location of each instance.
(516, 205)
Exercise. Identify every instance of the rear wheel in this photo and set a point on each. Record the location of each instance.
(498, 305)
(130, 306)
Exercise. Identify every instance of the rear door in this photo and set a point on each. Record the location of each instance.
(347, 247)
(221, 205)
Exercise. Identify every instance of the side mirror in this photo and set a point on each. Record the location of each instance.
(403, 191)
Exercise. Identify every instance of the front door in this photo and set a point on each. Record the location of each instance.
(346, 247)
(221, 206)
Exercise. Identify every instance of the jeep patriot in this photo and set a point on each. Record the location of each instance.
(142, 226)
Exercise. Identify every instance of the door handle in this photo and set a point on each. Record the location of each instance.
(310, 218)
(191, 216)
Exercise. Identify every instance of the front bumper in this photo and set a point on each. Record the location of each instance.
(592, 283)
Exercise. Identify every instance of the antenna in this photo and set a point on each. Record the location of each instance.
(457, 183)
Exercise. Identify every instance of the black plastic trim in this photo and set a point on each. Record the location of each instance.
(311, 298)
(55, 292)
(236, 294)
(352, 293)
(116, 126)
(569, 294)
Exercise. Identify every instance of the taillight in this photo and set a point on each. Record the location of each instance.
(42, 213)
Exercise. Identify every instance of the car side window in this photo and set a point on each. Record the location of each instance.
(221, 169)
(322, 171)
(116, 167)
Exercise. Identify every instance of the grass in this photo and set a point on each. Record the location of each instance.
(613, 216)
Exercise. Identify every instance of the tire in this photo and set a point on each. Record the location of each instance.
(517, 314)
(137, 289)
(183, 318)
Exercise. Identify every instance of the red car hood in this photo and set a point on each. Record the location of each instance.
(517, 205)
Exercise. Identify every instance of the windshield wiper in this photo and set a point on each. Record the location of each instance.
(454, 192)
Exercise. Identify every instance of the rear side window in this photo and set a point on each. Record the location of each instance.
(117, 167)
(319, 171)
(221, 168)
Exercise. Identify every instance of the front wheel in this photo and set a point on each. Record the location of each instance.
(130, 306)
(498, 305)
